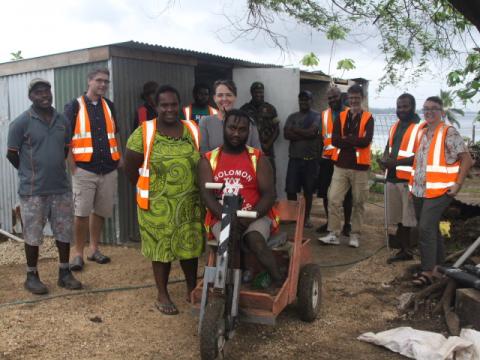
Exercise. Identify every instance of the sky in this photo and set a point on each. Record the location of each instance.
(51, 26)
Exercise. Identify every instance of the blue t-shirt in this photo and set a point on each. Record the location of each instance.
(41, 148)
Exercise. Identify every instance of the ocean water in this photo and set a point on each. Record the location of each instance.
(384, 121)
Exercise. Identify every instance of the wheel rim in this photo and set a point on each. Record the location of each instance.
(315, 294)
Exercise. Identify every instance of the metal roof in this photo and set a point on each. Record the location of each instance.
(105, 52)
(197, 54)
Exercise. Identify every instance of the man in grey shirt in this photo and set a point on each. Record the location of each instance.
(38, 142)
(301, 128)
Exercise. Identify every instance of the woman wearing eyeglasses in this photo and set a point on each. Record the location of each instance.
(211, 127)
(441, 164)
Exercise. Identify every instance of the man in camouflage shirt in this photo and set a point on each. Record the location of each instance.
(265, 117)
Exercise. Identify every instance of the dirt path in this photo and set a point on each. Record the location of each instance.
(124, 325)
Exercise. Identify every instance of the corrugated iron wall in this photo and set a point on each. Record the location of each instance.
(128, 78)
(13, 101)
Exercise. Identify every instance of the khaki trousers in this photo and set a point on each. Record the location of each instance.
(342, 180)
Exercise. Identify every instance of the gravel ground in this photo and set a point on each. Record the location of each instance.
(125, 325)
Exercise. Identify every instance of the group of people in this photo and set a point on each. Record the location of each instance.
(173, 151)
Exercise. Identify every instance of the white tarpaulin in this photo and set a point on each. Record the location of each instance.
(426, 345)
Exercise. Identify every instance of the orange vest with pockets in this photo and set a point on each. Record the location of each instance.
(439, 176)
(362, 154)
(148, 132)
(82, 142)
(408, 147)
(327, 130)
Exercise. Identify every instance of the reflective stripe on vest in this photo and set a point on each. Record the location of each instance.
(327, 128)
(192, 128)
(254, 154)
(82, 142)
(439, 175)
(188, 112)
(143, 184)
(408, 146)
(362, 154)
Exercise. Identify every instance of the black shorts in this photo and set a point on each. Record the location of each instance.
(325, 174)
(301, 174)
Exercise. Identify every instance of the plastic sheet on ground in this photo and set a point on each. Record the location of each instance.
(426, 345)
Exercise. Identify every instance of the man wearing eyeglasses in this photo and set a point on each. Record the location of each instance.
(94, 158)
(442, 162)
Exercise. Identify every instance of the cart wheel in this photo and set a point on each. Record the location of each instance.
(309, 292)
(212, 332)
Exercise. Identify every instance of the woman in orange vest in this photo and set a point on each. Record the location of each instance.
(161, 160)
(441, 164)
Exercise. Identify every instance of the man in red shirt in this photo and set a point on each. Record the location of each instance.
(246, 172)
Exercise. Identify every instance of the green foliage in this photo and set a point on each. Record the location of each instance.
(412, 33)
(16, 55)
(310, 59)
(346, 64)
(336, 32)
(450, 112)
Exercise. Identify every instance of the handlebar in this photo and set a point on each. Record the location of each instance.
(240, 213)
(213, 186)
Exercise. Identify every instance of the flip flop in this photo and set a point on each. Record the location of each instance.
(422, 280)
(77, 264)
(166, 309)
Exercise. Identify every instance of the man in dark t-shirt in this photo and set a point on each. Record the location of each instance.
(265, 117)
(301, 128)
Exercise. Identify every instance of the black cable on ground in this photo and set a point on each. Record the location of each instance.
(354, 261)
(83, 292)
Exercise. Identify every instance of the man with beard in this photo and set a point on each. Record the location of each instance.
(329, 116)
(265, 117)
(352, 137)
(397, 160)
(199, 107)
(245, 171)
(38, 142)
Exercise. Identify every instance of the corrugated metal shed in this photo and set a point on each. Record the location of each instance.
(13, 101)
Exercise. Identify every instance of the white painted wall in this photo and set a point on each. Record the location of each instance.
(281, 90)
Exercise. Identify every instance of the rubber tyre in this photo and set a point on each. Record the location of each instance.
(309, 292)
(213, 325)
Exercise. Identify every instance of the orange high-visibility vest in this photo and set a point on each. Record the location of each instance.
(187, 111)
(148, 132)
(439, 175)
(362, 154)
(82, 142)
(408, 147)
(254, 154)
(327, 130)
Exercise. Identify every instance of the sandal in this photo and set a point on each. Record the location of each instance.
(98, 257)
(422, 280)
(166, 309)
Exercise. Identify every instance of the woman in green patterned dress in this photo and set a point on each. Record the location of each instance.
(170, 219)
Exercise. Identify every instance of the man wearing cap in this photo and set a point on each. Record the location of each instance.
(265, 117)
(95, 157)
(147, 110)
(38, 142)
(301, 128)
(199, 108)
